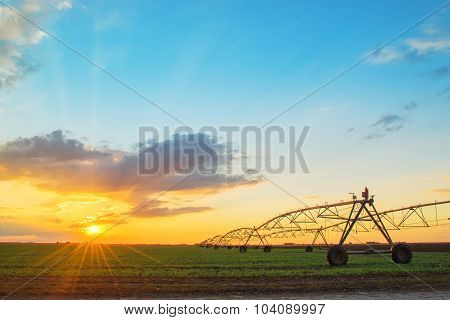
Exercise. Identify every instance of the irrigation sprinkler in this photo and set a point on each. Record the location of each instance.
(345, 217)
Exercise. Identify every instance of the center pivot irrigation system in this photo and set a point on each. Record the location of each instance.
(357, 215)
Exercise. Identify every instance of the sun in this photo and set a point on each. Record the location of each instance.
(92, 230)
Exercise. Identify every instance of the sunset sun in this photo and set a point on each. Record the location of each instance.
(224, 159)
(92, 230)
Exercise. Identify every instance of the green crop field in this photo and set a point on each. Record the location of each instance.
(111, 271)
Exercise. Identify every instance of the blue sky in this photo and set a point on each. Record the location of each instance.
(254, 58)
(241, 63)
(208, 61)
(214, 63)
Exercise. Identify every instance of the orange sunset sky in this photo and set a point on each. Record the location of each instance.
(74, 92)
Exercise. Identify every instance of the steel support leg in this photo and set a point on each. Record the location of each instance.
(346, 231)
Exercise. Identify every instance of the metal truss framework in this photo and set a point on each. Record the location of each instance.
(236, 237)
(358, 215)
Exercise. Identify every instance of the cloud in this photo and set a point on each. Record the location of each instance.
(386, 55)
(431, 42)
(431, 30)
(373, 136)
(386, 124)
(442, 190)
(411, 106)
(64, 5)
(14, 66)
(351, 129)
(426, 46)
(10, 231)
(18, 37)
(99, 219)
(54, 220)
(5, 217)
(443, 92)
(437, 73)
(167, 212)
(53, 147)
(390, 123)
(61, 164)
(15, 29)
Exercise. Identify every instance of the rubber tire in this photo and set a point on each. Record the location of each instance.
(267, 249)
(243, 249)
(309, 249)
(401, 253)
(337, 256)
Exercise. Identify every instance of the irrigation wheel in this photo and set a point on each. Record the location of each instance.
(309, 249)
(337, 256)
(401, 253)
(243, 249)
(267, 249)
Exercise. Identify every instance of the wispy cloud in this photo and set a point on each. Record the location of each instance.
(432, 41)
(386, 124)
(13, 65)
(24, 232)
(167, 212)
(444, 92)
(437, 73)
(64, 5)
(16, 29)
(411, 106)
(326, 109)
(431, 29)
(18, 36)
(386, 55)
(426, 46)
(99, 219)
(442, 190)
(373, 136)
(390, 123)
(55, 220)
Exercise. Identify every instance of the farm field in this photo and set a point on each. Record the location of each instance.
(71, 271)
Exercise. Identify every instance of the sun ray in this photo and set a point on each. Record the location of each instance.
(107, 264)
(153, 259)
(53, 254)
(97, 257)
(116, 257)
(91, 255)
(80, 267)
(61, 289)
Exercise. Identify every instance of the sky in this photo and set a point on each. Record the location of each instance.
(69, 129)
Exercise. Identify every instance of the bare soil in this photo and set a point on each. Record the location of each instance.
(429, 286)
